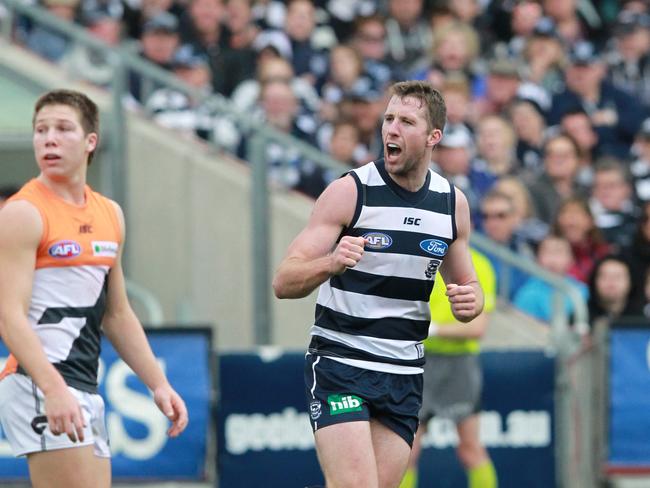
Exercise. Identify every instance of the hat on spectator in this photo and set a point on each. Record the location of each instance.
(186, 56)
(536, 95)
(456, 136)
(94, 12)
(545, 27)
(504, 66)
(161, 22)
(644, 130)
(583, 53)
(629, 22)
(276, 40)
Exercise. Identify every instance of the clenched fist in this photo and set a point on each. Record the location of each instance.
(347, 254)
(462, 299)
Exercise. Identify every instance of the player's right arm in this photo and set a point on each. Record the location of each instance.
(20, 233)
(314, 255)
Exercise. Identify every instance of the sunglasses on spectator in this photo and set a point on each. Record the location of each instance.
(494, 215)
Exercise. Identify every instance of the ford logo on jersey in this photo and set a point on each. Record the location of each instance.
(435, 247)
(64, 249)
(377, 240)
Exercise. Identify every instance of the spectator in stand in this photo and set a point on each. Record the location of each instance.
(455, 48)
(48, 43)
(280, 109)
(408, 35)
(575, 20)
(640, 167)
(629, 60)
(243, 31)
(496, 146)
(499, 223)
(158, 44)
(530, 129)
(137, 14)
(545, 57)
(345, 75)
(557, 182)
(502, 84)
(344, 142)
(454, 159)
(176, 110)
(578, 125)
(309, 59)
(456, 92)
(203, 25)
(536, 296)
(365, 108)
(638, 252)
(615, 116)
(611, 290)
(369, 40)
(575, 223)
(612, 202)
(105, 23)
(275, 67)
(528, 227)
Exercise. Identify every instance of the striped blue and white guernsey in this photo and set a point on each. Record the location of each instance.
(376, 315)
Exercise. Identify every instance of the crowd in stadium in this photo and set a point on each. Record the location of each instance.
(548, 103)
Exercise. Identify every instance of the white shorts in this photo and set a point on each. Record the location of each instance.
(22, 415)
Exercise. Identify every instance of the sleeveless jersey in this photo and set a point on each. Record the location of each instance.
(78, 248)
(376, 314)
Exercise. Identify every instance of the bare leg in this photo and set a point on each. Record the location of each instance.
(345, 452)
(470, 450)
(391, 453)
(76, 467)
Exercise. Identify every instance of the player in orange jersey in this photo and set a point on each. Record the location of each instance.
(61, 284)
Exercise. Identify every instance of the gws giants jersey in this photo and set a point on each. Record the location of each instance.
(77, 250)
(376, 314)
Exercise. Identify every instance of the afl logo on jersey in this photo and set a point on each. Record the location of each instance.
(64, 249)
(435, 247)
(377, 240)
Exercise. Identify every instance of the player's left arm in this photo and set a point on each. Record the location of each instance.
(124, 330)
(463, 289)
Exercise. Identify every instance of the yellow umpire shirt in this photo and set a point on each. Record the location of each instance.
(441, 310)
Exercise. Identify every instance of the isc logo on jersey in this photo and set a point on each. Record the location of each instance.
(377, 240)
(64, 249)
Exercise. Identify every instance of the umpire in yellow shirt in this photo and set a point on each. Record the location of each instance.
(453, 379)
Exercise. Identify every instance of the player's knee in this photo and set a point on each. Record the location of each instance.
(352, 479)
(471, 452)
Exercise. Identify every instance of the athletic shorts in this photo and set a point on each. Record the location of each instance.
(338, 392)
(452, 387)
(22, 415)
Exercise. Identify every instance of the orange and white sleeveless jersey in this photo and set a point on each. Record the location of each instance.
(78, 248)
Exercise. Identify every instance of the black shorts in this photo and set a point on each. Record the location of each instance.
(337, 393)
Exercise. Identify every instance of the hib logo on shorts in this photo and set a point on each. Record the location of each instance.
(377, 240)
(435, 247)
(107, 249)
(344, 404)
(64, 249)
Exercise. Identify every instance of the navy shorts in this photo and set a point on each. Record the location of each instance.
(338, 392)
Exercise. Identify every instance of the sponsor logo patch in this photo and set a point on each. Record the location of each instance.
(344, 404)
(315, 410)
(377, 240)
(432, 268)
(64, 249)
(434, 246)
(106, 249)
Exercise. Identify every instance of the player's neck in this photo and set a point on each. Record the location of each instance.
(413, 180)
(72, 190)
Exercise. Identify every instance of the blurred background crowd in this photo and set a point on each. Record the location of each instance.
(548, 102)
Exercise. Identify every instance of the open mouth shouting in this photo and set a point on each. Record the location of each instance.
(393, 150)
